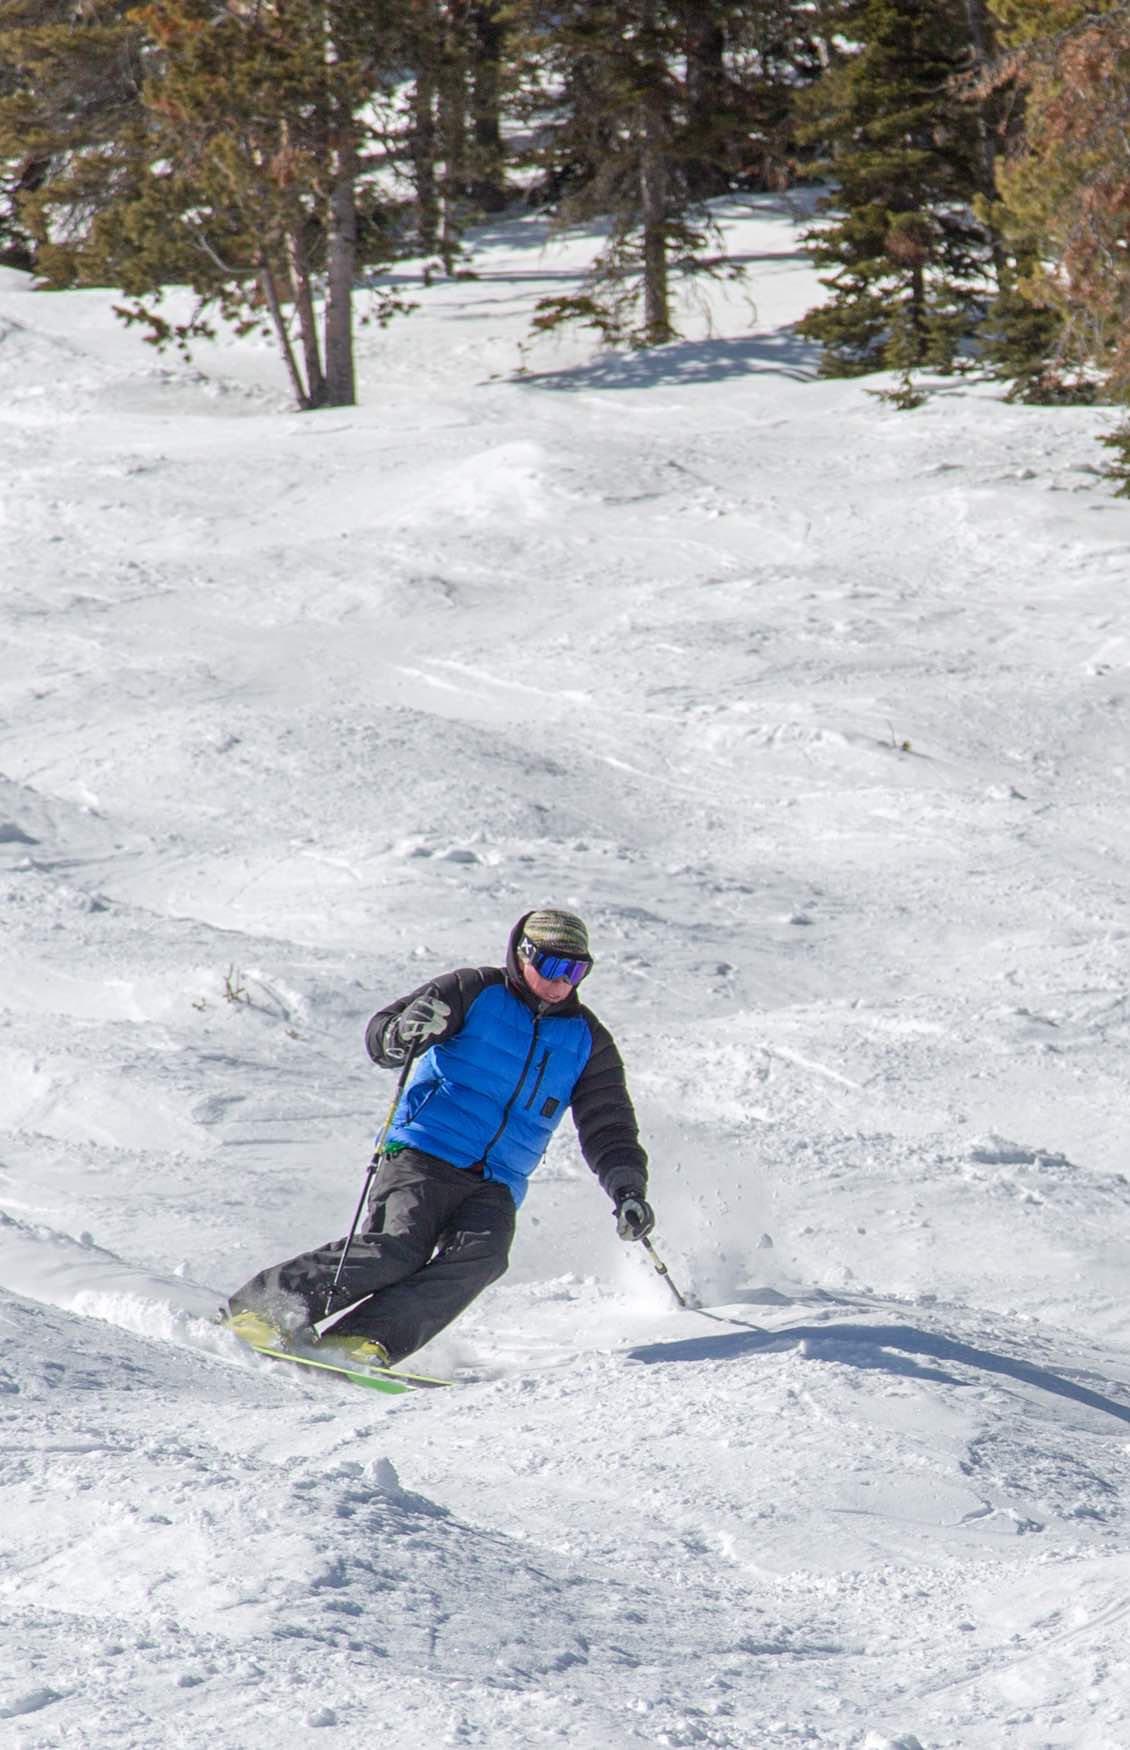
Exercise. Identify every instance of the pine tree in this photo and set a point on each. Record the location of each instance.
(908, 259)
(775, 56)
(489, 73)
(1064, 191)
(424, 56)
(1023, 339)
(1118, 469)
(72, 123)
(709, 99)
(234, 167)
(607, 152)
(744, 65)
(457, 52)
(640, 99)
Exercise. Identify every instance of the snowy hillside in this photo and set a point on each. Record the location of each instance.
(818, 713)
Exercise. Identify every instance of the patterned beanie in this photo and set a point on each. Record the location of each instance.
(560, 930)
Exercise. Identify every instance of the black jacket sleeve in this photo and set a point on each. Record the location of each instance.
(605, 1118)
(457, 989)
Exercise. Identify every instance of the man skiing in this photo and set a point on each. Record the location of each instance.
(499, 1054)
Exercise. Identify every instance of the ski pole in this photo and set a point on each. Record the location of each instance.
(662, 1270)
(692, 1306)
(373, 1165)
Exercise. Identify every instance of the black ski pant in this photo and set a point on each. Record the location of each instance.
(433, 1237)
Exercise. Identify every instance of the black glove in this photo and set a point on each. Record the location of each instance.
(634, 1217)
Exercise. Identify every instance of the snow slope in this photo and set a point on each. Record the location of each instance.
(818, 712)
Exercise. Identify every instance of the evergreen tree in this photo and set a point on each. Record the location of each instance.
(908, 258)
(1064, 192)
(424, 55)
(235, 167)
(640, 100)
(607, 151)
(1024, 339)
(452, 83)
(1022, 336)
(710, 101)
(489, 74)
(72, 125)
(774, 55)
(461, 70)
(1118, 469)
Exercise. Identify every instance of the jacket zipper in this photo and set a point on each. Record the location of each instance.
(483, 1158)
(537, 1078)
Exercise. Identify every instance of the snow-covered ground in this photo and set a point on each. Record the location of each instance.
(818, 712)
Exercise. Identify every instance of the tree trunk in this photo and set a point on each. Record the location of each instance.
(302, 292)
(918, 312)
(453, 133)
(978, 28)
(706, 102)
(979, 40)
(341, 264)
(653, 184)
(271, 298)
(424, 160)
(487, 190)
(424, 135)
(979, 43)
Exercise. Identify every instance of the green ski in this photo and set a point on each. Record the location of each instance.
(377, 1378)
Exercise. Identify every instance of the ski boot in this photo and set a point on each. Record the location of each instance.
(364, 1350)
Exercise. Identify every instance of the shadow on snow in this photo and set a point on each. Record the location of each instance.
(871, 1346)
(687, 362)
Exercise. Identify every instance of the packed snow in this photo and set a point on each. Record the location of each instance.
(817, 711)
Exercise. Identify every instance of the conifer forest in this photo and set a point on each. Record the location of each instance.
(965, 163)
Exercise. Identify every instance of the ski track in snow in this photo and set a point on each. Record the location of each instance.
(818, 712)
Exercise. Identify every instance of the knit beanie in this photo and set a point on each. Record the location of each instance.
(561, 931)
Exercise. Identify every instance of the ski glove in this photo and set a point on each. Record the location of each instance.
(422, 1019)
(634, 1217)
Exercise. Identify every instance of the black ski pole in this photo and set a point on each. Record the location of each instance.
(372, 1169)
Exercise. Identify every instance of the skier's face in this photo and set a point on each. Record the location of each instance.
(547, 990)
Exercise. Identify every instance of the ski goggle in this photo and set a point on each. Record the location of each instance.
(552, 966)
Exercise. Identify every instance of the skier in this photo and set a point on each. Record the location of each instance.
(504, 1051)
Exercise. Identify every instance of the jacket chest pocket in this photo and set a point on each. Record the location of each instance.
(540, 1068)
(549, 1088)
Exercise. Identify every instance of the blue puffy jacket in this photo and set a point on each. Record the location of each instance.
(492, 1089)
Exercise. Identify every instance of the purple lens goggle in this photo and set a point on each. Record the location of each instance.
(552, 966)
